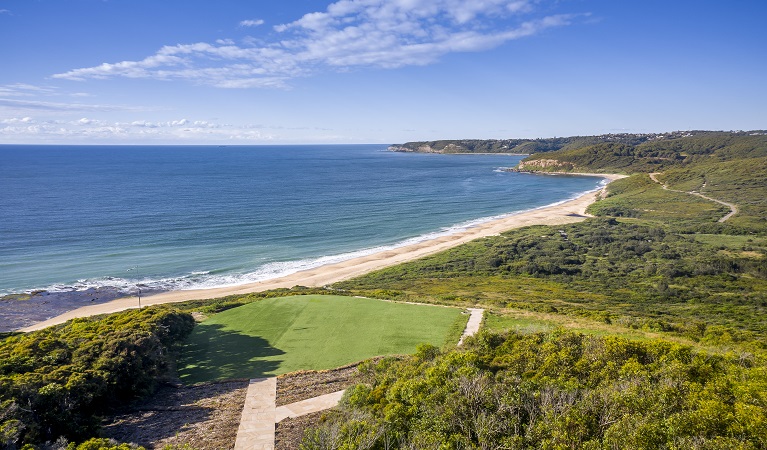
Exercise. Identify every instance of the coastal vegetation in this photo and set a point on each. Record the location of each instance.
(280, 335)
(57, 382)
(530, 146)
(616, 271)
(556, 390)
(642, 327)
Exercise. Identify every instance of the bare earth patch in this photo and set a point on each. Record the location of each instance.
(296, 386)
(204, 416)
(289, 432)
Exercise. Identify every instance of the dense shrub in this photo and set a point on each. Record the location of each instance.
(558, 390)
(55, 382)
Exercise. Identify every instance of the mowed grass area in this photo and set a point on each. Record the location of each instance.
(286, 334)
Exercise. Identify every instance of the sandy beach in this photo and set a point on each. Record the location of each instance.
(567, 212)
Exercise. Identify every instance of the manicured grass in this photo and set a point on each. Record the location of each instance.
(280, 335)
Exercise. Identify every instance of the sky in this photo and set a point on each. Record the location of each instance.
(375, 71)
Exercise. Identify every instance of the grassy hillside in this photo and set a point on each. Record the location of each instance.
(280, 335)
(631, 274)
(728, 166)
(658, 154)
(665, 310)
(545, 144)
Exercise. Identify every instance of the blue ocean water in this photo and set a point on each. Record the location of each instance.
(79, 217)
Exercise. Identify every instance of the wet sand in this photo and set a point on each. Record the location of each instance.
(567, 212)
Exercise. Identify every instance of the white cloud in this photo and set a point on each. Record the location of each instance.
(38, 105)
(172, 123)
(251, 23)
(25, 90)
(26, 129)
(349, 34)
(17, 120)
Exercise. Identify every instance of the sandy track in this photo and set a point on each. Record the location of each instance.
(568, 212)
(733, 207)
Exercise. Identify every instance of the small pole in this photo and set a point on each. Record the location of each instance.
(138, 285)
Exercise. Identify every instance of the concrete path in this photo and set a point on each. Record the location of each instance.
(256, 430)
(472, 326)
(259, 414)
(309, 406)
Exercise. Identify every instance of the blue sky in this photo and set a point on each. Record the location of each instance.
(375, 71)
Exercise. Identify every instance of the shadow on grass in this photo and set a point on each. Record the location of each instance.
(213, 353)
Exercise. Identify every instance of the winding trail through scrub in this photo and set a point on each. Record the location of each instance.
(733, 207)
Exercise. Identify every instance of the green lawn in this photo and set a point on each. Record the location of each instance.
(280, 335)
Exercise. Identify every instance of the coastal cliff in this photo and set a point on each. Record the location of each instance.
(545, 165)
(424, 148)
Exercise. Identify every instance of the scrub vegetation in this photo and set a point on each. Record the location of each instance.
(56, 383)
(644, 327)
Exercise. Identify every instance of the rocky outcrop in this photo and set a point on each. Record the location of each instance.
(545, 165)
(426, 148)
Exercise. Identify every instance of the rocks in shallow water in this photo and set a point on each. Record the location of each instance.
(24, 309)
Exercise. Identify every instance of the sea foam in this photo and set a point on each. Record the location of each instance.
(277, 269)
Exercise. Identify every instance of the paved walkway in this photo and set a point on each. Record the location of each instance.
(309, 406)
(472, 326)
(259, 415)
(256, 430)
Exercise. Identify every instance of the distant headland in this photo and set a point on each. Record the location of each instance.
(530, 146)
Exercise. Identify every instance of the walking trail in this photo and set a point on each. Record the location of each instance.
(259, 414)
(733, 207)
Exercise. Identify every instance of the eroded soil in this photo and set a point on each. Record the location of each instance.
(207, 416)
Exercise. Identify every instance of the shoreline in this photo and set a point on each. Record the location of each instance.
(463, 153)
(569, 211)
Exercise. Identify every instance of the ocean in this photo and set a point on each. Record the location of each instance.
(98, 220)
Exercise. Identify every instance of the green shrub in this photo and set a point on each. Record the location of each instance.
(54, 382)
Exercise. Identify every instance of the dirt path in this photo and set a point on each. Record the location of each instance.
(732, 206)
